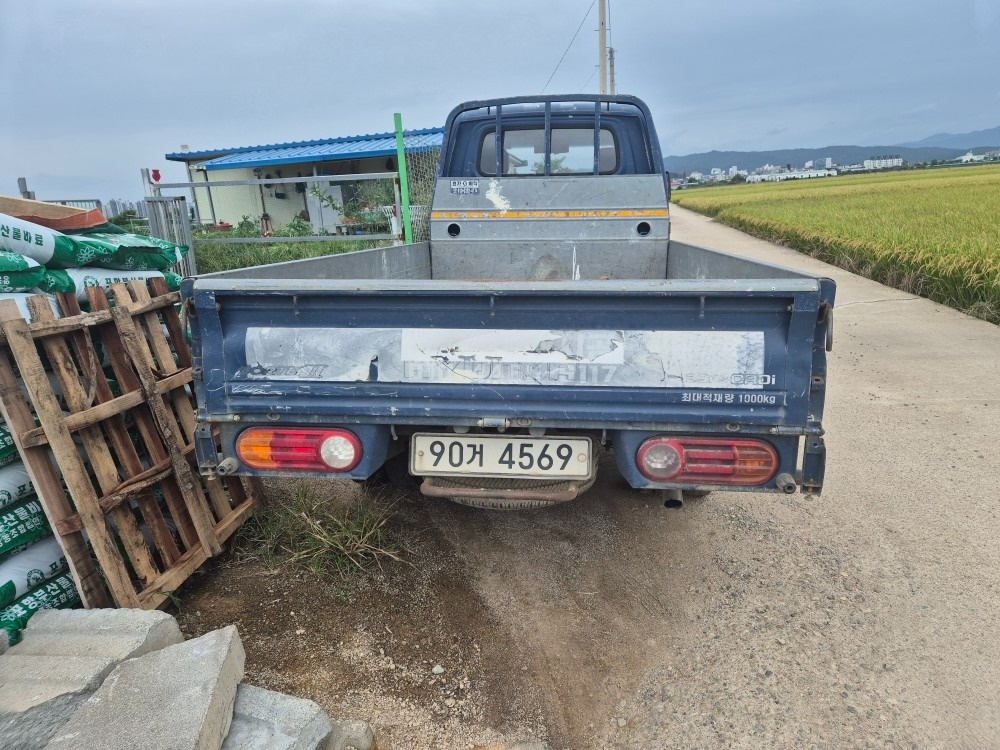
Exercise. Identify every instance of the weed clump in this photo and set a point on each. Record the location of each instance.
(301, 531)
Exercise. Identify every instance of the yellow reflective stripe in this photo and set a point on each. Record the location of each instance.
(621, 213)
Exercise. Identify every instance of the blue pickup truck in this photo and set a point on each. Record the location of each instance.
(549, 315)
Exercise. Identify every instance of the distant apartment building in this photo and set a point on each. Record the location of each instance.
(799, 174)
(117, 206)
(883, 162)
(971, 157)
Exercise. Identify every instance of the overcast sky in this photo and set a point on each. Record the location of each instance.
(92, 90)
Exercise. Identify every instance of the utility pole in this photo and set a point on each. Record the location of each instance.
(611, 66)
(602, 43)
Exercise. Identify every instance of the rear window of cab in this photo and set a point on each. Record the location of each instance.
(572, 152)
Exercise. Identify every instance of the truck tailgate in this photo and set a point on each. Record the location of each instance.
(601, 354)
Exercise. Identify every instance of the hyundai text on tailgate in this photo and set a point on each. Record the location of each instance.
(548, 315)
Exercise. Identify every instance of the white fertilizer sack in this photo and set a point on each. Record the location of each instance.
(29, 568)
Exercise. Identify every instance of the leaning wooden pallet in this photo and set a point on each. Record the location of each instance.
(127, 461)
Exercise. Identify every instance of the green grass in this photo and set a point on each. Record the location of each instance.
(212, 257)
(300, 531)
(933, 232)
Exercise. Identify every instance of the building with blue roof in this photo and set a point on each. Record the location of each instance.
(358, 154)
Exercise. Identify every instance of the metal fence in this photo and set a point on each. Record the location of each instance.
(324, 207)
(283, 214)
(86, 204)
(421, 170)
(169, 220)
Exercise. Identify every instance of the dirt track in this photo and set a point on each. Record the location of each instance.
(864, 618)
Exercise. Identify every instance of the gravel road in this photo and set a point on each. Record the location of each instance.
(867, 617)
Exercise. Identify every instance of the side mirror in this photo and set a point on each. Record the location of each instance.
(666, 180)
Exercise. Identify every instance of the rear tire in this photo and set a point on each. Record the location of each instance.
(500, 503)
(516, 503)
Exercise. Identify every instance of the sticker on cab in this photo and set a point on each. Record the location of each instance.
(465, 187)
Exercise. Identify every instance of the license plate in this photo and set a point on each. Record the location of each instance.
(500, 456)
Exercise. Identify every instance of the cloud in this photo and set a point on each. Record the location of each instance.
(106, 87)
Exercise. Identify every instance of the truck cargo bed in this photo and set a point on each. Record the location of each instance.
(370, 338)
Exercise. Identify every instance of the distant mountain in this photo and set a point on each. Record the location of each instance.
(751, 160)
(977, 139)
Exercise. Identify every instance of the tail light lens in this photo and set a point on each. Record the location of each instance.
(299, 449)
(707, 460)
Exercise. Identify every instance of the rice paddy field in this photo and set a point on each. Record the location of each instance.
(932, 232)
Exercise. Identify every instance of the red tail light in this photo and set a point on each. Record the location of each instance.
(299, 449)
(707, 460)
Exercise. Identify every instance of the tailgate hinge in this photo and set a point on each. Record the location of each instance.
(204, 449)
(813, 465)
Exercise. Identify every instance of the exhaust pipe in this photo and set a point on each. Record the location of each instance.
(786, 483)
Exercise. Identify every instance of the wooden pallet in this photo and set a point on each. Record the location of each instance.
(127, 461)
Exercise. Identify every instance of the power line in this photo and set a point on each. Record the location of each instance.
(593, 73)
(582, 21)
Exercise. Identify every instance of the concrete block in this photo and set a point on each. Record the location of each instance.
(351, 735)
(63, 658)
(265, 720)
(113, 633)
(178, 698)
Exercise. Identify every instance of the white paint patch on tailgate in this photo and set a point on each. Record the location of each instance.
(527, 346)
(663, 359)
(494, 196)
(333, 354)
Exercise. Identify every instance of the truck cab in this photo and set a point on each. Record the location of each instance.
(549, 189)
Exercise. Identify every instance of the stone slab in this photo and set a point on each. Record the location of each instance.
(351, 735)
(265, 720)
(178, 698)
(63, 658)
(114, 633)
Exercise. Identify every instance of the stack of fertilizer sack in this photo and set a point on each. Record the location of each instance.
(33, 571)
(36, 258)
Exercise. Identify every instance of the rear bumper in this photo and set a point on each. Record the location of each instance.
(800, 457)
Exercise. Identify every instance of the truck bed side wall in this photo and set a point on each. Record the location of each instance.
(398, 262)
